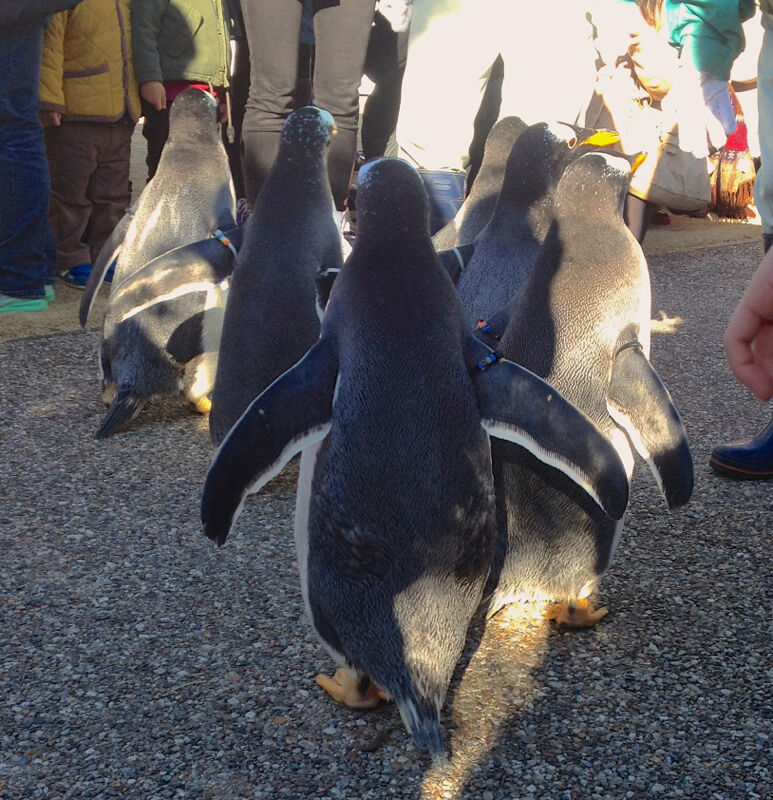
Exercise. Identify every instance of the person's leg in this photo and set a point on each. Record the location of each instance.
(450, 40)
(763, 184)
(384, 65)
(155, 129)
(549, 93)
(108, 189)
(273, 29)
(27, 253)
(341, 33)
(753, 459)
(72, 159)
(638, 215)
(239, 89)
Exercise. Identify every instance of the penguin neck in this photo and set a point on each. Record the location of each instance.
(311, 162)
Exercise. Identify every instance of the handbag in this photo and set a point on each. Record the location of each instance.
(669, 176)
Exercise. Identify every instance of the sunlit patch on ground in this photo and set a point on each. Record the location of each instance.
(497, 686)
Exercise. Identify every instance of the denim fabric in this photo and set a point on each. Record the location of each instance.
(27, 248)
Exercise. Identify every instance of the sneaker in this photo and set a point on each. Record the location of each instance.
(76, 276)
(49, 293)
(14, 305)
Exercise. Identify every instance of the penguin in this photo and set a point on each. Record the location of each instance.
(477, 207)
(161, 330)
(393, 408)
(502, 254)
(271, 317)
(582, 323)
(189, 197)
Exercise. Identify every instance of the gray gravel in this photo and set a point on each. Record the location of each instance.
(139, 661)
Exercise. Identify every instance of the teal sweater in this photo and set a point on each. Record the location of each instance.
(708, 32)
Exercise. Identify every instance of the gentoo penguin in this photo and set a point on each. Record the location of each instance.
(161, 330)
(479, 204)
(505, 249)
(393, 408)
(189, 197)
(271, 316)
(582, 322)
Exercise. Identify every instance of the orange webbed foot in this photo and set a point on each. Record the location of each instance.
(344, 687)
(576, 614)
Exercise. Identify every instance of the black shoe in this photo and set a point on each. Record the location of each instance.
(751, 460)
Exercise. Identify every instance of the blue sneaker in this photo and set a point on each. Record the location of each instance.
(76, 276)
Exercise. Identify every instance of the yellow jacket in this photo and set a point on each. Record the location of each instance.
(87, 71)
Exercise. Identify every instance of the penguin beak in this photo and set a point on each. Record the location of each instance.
(638, 161)
(601, 139)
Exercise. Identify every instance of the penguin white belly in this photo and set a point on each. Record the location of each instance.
(303, 498)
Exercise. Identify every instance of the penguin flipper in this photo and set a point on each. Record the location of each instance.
(291, 414)
(640, 404)
(123, 409)
(456, 259)
(195, 267)
(107, 255)
(520, 407)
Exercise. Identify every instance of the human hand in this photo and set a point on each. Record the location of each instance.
(749, 335)
(154, 93)
(50, 119)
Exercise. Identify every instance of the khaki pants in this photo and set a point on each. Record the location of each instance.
(89, 165)
(549, 70)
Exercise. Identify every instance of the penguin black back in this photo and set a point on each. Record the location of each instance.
(271, 315)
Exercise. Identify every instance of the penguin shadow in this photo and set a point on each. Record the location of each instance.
(497, 679)
(494, 683)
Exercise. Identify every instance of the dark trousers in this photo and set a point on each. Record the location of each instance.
(27, 251)
(385, 66)
(89, 164)
(155, 131)
(341, 34)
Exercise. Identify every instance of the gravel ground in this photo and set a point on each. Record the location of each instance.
(139, 661)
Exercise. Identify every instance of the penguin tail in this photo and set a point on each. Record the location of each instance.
(422, 719)
(123, 410)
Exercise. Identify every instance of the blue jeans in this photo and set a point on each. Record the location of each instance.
(27, 248)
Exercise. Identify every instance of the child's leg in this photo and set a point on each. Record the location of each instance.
(72, 157)
(108, 188)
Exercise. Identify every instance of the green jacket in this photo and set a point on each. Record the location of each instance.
(709, 32)
(180, 40)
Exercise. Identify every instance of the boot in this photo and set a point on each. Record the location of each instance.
(751, 460)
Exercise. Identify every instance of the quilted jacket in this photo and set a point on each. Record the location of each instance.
(86, 71)
(181, 40)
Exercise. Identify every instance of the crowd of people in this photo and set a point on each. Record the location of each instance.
(79, 74)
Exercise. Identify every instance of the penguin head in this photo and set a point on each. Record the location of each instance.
(309, 129)
(598, 180)
(391, 197)
(193, 113)
(537, 161)
(502, 137)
